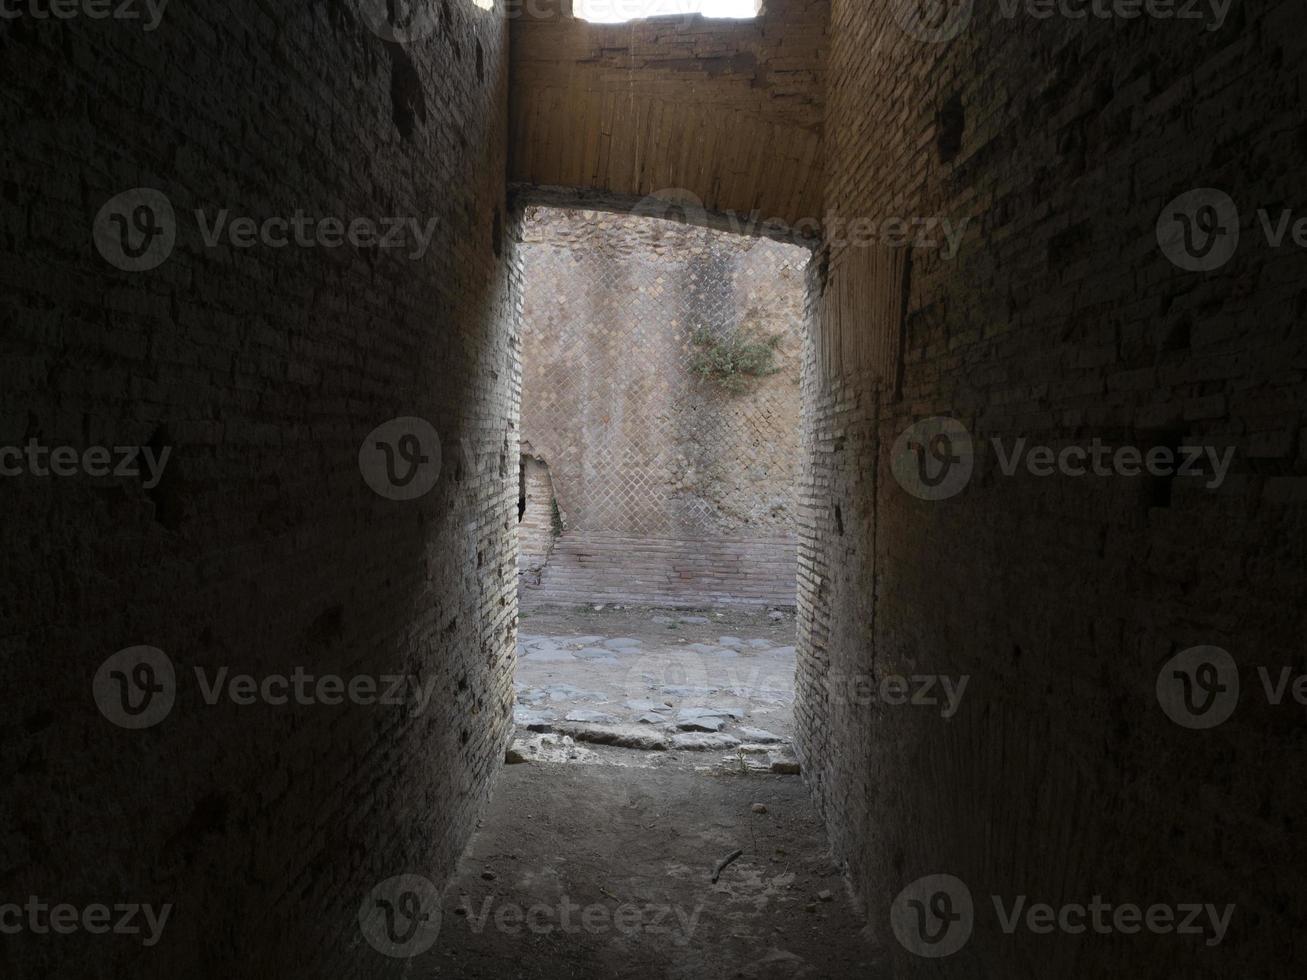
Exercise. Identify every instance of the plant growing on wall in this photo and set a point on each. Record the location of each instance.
(732, 359)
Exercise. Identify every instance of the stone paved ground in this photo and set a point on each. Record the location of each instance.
(715, 683)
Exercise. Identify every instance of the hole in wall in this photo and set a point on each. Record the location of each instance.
(1158, 489)
(538, 516)
(521, 489)
(950, 121)
(407, 101)
(167, 496)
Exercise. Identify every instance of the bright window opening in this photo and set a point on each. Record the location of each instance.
(620, 11)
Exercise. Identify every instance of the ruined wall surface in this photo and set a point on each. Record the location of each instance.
(639, 446)
(263, 368)
(729, 111)
(535, 527)
(1060, 320)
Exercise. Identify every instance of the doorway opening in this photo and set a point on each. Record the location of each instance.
(661, 412)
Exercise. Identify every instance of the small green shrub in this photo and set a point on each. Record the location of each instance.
(732, 360)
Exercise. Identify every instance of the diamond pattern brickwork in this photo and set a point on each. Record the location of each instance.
(636, 442)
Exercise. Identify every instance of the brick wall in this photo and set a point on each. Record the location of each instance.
(262, 548)
(730, 111)
(639, 446)
(1059, 320)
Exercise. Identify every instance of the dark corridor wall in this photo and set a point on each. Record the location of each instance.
(263, 548)
(1060, 321)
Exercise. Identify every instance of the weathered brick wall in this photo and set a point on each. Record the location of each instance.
(1060, 320)
(639, 446)
(262, 549)
(728, 110)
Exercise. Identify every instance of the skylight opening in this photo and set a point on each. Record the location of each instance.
(622, 11)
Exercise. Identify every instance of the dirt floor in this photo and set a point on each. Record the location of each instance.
(597, 861)
(599, 871)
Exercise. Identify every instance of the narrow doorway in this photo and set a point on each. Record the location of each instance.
(661, 405)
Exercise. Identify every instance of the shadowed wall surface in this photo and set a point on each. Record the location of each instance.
(261, 550)
(1059, 320)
